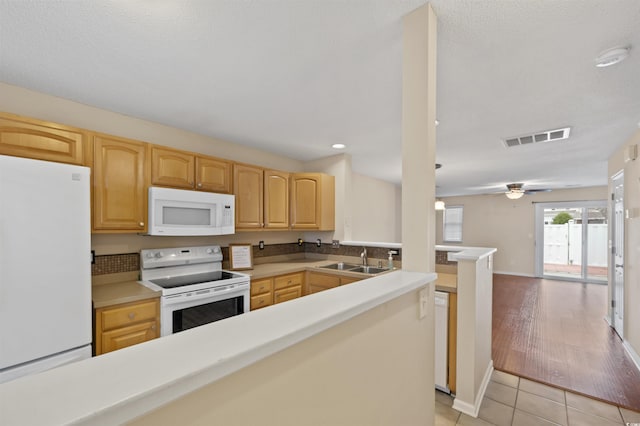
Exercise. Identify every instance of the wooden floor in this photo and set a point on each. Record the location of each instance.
(554, 332)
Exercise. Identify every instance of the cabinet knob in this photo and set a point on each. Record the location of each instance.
(153, 326)
(132, 315)
(199, 184)
(141, 224)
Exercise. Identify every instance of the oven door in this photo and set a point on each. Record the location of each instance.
(192, 309)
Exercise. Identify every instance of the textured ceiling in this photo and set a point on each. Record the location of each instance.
(294, 76)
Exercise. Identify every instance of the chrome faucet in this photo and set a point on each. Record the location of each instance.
(363, 255)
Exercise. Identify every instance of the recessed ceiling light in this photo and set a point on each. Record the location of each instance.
(338, 146)
(612, 56)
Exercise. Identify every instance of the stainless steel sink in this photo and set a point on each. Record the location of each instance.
(355, 268)
(368, 270)
(340, 266)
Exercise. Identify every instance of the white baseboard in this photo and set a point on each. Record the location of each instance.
(473, 409)
(517, 274)
(632, 353)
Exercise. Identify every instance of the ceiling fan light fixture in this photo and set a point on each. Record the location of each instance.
(514, 194)
(612, 56)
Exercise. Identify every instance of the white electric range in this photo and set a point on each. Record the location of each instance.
(195, 290)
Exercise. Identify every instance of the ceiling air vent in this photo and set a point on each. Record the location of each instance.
(545, 136)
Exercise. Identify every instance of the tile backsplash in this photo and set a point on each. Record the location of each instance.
(115, 263)
(127, 262)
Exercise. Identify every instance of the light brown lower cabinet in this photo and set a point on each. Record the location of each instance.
(261, 293)
(317, 281)
(126, 324)
(271, 290)
(453, 339)
(287, 287)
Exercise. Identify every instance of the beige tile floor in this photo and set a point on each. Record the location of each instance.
(514, 401)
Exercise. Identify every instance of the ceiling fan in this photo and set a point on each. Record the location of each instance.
(516, 190)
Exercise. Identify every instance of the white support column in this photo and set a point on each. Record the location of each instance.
(418, 162)
(418, 140)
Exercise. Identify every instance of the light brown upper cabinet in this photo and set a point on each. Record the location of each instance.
(213, 175)
(41, 140)
(170, 167)
(313, 201)
(262, 198)
(186, 170)
(276, 199)
(248, 189)
(119, 184)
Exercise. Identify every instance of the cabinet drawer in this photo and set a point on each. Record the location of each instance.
(261, 286)
(129, 336)
(261, 301)
(285, 281)
(288, 293)
(129, 314)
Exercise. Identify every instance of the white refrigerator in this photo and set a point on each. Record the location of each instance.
(45, 266)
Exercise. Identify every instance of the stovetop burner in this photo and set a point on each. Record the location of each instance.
(184, 280)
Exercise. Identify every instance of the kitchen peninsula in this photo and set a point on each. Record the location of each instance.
(310, 351)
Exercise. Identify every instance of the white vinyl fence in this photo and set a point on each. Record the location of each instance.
(563, 244)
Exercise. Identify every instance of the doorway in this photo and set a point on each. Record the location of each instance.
(572, 241)
(617, 254)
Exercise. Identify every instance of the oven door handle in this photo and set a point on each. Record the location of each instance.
(207, 293)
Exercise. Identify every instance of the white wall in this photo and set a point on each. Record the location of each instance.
(495, 221)
(376, 205)
(632, 241)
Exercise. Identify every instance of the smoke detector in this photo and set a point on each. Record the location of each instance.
(612, 56)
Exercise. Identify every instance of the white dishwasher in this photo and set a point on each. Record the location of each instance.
(442, 339)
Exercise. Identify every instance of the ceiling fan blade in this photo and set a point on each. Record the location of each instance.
(533, 191)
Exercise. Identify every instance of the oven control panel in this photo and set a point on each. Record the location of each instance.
(158, 258)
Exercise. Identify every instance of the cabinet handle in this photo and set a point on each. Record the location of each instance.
(141, 224)
(132, 315)
(153, 326)
(199, 184)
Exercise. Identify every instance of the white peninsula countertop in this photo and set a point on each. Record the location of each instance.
(121, 385)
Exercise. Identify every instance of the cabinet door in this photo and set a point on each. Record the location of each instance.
(453, 340)
(213, 175)
(128, 336)
(25, 137)
(288, 293)
(348, 280)
(313, 201)
(247, 184)
(120, 185)
(305, 208)
(318, 282)
(172, 168)
(276, 199)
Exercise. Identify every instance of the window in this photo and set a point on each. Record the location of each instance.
(452, 224)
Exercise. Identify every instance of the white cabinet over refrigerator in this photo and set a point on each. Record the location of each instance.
(45, 275)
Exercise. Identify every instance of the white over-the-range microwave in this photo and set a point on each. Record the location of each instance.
(181, 212)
